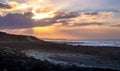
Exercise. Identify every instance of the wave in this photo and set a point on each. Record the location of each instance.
(112, 43)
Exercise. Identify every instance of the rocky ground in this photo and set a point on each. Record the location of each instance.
(13, 60)
(82, 60)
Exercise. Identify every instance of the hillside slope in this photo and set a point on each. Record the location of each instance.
(11, 37)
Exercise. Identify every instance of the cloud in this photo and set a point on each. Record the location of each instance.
(87, 24)
(13, 7)
(4, 6)
(115, 25)
(70, 19)
(84, 18)
(19, 21)
(15, 21)
(66, 15)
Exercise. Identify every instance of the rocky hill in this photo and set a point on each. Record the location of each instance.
(12, 37)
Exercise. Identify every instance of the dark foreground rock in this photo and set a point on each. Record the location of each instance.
(14, 60)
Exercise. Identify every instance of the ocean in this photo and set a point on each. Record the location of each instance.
(112, 43)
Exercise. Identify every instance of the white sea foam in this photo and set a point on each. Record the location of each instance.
(115, 43)
(75, 59)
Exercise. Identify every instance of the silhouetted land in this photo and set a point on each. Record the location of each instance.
(11, 58)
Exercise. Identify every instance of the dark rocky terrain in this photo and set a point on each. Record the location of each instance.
(14, 60)
(11, 58)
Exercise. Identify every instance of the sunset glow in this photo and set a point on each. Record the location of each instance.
(43, 15)
(40, 0)
(75, 19)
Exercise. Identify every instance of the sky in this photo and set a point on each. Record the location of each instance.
(62, 19)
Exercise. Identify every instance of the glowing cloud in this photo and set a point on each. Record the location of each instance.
(42, 13)
(15, 7)
(42, 16)
(37, 8)
(60, 18)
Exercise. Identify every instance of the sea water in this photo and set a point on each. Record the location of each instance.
(98, 43)
(112, 43)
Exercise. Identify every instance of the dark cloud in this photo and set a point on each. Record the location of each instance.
(87, 24)
(15, 21)
(92, 13)
(19, 21)
(116, 25)
(5, 6)
(63, 15)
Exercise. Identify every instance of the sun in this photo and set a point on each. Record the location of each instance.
(42, 12)
(43, 15)
(40, 0)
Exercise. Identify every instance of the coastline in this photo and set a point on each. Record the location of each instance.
(66, 53)
(13, 60)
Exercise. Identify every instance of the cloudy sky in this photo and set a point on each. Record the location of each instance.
(62, 19)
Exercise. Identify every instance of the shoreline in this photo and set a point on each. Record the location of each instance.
(110, 43)
(64, 51)
(13, 60)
